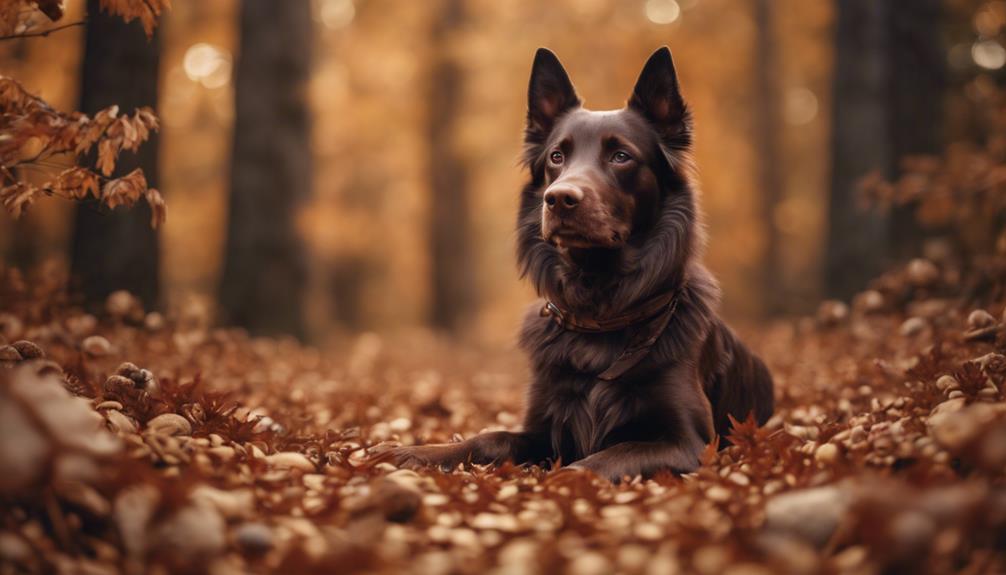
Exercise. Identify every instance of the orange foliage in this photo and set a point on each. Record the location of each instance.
(33, 133)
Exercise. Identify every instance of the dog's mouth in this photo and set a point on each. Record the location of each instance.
(566, 237)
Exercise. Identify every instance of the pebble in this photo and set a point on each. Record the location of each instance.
(96, 346)
(120, 421)
(590, 563)
(230, 503)
(979, 319)
(739, 478)
(170, 424)
(810, 514)
(947, 382)
(8, 353)
(718, 493)
(827, 453)
(28, 350)
(290, 460)
(400, 424)
(922, 272)
(951, 405)
(196, 531)
(912, 326)
(254, 538)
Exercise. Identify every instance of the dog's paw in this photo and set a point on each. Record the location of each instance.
(419, 456)
(600, 468)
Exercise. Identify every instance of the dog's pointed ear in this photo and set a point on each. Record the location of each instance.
(550, 94)
(657, 97)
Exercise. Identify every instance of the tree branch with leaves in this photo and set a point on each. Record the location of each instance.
(33, 135)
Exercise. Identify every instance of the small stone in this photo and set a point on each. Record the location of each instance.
(913, 326)
(979, 319)
(810, 514)
(170, 424)
(254, 538)
(28, 350)
(196, 531)
(9, 354)
(826, 453)
(649, 531)
(153, 321)
(947, 383)
(949, 406)
(922, 272)
(632, 558)
(832, 312)
(590, 563)
(230, 503)
(400, 424)
(718, 494)
(739, 478)
(121, 304)
(119, 421)
(82, 325)
(291, 460)
(710, 560)
(396, 501)
(869, 301)
(96, 346)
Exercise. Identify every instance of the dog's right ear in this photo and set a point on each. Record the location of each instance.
(550, 94)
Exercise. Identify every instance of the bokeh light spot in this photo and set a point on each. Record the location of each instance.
(208, 65)
(800, 106)
(335, 14)
(988, 54)
(662, 11)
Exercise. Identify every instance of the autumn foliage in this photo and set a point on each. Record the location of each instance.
(36, 139)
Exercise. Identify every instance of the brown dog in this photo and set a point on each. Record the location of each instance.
(633, 372)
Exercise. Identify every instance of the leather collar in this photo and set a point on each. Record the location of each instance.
(645, 322)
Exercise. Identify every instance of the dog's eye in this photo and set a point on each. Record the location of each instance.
(620, 157)
(556, 157)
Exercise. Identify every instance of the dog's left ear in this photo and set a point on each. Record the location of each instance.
(658, 98)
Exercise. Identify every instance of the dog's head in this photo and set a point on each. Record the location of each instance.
(603, 176)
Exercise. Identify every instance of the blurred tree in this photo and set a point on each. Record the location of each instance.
(118, 249)
(449, 234)
(264, 263)
(918, 79)
(768, 122)
(889, 77)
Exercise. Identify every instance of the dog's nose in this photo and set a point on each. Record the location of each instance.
(563, 198)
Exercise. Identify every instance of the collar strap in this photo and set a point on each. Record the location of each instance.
(647, 310)
(648, 321)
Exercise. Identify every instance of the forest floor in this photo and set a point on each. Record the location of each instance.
(134, 443)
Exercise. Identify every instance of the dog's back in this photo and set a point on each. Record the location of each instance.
(736, 381)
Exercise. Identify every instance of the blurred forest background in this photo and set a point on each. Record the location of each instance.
(348, 165)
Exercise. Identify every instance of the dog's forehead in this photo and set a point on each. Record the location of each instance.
(594, 125)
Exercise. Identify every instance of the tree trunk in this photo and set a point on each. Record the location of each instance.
(918, 79)
(767, 125)
(857, 239)
(889, 79)
(265, 267)
(449, 233)
(117, 249)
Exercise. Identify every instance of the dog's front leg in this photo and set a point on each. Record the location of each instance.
(643, 458)
(486, 448)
